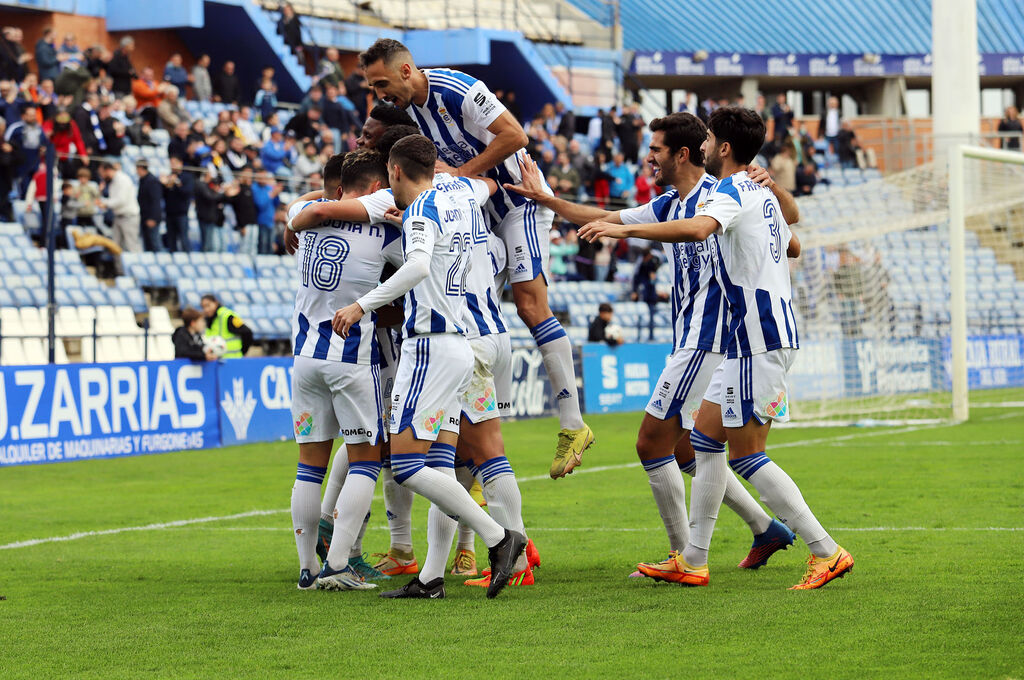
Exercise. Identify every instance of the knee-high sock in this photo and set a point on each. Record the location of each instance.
(306, 513)
(339, 468)
(503, 498)
(670, 496)
(781, 494)
(357, 545)
(739, 500)
(398, 505)
(556, 352)
(352, 509)
(706, 495)
(467, 536)
(411, 472)
(440, 527)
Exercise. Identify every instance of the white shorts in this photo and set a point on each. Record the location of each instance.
(492, 356)
(332, 397)
(524, 230)
(753, 386)
(389, 353)
(432, 372)
(682, 384)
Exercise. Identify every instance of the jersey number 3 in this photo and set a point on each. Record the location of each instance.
(322, 260)
(775, 245)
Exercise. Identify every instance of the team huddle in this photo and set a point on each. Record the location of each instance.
(402, 349)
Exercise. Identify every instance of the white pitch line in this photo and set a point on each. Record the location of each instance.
(639, 529)
(600, 468)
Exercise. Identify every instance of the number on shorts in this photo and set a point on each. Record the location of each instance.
(323, 260)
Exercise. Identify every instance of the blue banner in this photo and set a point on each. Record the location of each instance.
(75, 412)
(532, 396)
(738, 65)
(992, 361)
(254, 399)
(891, 366)
(621, 378)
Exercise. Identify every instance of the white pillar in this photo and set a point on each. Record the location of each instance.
(956, 90)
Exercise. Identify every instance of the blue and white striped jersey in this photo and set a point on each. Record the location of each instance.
(484, 312)
(753, 240)
(698, 302)
(436, 224)
(455, 117)
(338, 263)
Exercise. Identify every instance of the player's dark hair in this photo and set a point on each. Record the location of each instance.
(362, 168)
(332, 168)
(682, 130)
(389, 115)
(385, 49)
(415, 155)
(742, 128)
(392, 135)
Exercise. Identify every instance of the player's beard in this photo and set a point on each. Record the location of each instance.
(713, 164)
(659, 178)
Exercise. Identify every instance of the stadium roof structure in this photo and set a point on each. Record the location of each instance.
(802, 26)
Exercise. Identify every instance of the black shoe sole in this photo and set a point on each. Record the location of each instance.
(414, 590)
(506, 562)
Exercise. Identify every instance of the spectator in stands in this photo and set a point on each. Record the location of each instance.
(222, 322)
(829, 125)
(114, 131)
(202, 88)
(120, 67)
(265, 194)
(97, 58)
(306, 125)
(178, 146)
(328, 70)
(290, 29)
(244, 205)
(564, 178)
(848, 145)
(68, 207)
(146, 90)
(10, 102)
(179, 188)
(277, 152)
(783, 166)
(806, 178)
(210, 201)
(804, 145)
(621, 178)
(28, 138)
(782, 115)
(46, 55)
(644, 289)
(87, 119)
(340, 113)
(630, 130)
(1010, 123)
(151, 210)
(566, 121)
(13, 56)
(10, 160)
(67, 141)
(358, 91)
(170, 110)
(306, 164)
(598, 331)
(69, 54)
(763, 109)
(226, 87)
(236, 157)
(188, 338)
(89, 201)
(594, 129)
(644, 185)
(123, 202)
(560, 254)
(175, 74)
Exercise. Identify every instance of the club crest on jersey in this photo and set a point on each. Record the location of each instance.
(777, 408)
(433, 423)
(304, 424)
(485, 403)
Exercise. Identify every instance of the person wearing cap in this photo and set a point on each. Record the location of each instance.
(222, 322)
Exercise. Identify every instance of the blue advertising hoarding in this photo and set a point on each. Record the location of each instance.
(255, 400)
(74, 412)
(621, 378)
(992, 361)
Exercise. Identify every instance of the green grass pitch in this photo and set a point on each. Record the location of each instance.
(934, 517)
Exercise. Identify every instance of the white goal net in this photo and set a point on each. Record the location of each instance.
(876, 290)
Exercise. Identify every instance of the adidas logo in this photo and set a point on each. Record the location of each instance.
(521, 268)
(564, 394)
(657, 403)
(730, 413)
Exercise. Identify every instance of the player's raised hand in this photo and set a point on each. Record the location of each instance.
(759, 175)
(347, 317)
(595, 230)
(441, 166)
(532, 184)
(394, 215)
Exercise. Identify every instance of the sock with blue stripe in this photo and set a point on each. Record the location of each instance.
(398, 506)
(306, 513)
(503, 497)
(352, 509)
(440, 527)
(781, 494)
(556, 352)
(670, 496)
(739, 500)
(467, 537)
(707, 491)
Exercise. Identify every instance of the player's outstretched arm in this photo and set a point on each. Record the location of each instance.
(675, 231)
(532, 187)
(350, 209)
(509, 138)
(415, 269)
(794, 247)
(790, 210)
(310, 196)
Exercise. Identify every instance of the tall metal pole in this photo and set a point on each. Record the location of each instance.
(51, 246)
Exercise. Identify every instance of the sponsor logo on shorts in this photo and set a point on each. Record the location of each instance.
(504, 405)
(657, 403)
(729, 413)
(486, 402)
(452, 420)
(521, 268)
(778, 407)
(304, 424)
(433, 423)
(355, 431)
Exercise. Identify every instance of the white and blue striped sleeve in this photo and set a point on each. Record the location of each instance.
(421, 226)
(480, 106)
(651, 212)
(722, 204)
(377, 204)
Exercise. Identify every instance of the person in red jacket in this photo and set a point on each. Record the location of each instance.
(63, 133)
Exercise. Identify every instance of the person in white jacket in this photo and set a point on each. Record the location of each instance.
(123, 202)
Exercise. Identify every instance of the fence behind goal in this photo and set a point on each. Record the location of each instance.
(876, 288)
